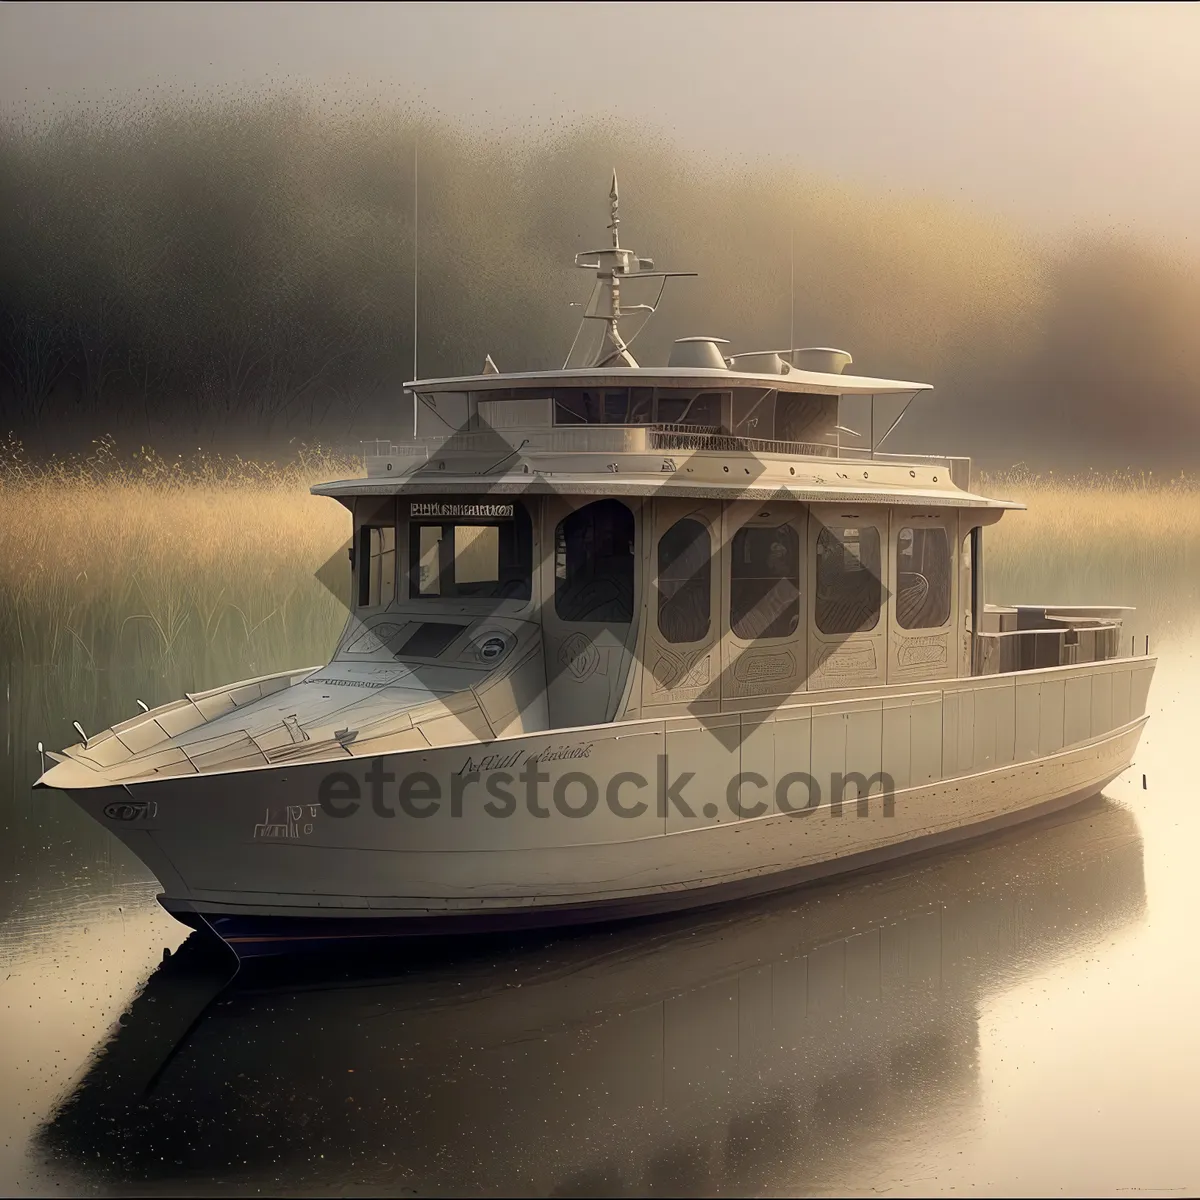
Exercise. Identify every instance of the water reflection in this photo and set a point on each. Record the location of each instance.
(59, 870)
(755, 1048)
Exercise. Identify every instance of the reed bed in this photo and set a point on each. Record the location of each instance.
(187, 572)
(170, 575)
(1123, 537)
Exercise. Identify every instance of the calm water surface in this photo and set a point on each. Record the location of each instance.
(1018, 1016)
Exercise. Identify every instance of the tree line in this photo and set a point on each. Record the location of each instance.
(237, 271)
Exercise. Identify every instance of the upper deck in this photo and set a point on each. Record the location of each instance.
(667, 431)
(755, 424)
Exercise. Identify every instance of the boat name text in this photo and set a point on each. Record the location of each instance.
(433, 508)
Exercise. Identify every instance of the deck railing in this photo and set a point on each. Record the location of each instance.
(696, 437)
(634, 439)
(1034, 649)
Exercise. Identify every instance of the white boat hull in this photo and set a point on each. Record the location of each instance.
(274, 862)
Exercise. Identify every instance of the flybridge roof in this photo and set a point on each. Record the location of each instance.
(590, 484)
(811, 382)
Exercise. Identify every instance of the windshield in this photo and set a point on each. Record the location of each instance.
(481, 550)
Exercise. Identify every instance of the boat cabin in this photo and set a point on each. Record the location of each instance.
(724, 603)
(711, 535)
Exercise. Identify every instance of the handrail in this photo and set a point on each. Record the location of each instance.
(657, 437)
(1078, 626)
(1005, 651)
(691, 437)
(683, 427)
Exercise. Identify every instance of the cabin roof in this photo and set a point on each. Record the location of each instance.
(811, 382)
(588, 484)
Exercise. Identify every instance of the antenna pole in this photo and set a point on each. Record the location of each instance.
(792, 325)
(416, 256)
(416, 244)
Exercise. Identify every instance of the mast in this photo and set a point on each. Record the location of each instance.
(613, 341)
(792, 324)
(612, 265)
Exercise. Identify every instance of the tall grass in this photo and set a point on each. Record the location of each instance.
(192, 572)
(184, 572)
(1129, 538)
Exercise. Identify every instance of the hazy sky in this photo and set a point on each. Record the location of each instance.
(1055, 114)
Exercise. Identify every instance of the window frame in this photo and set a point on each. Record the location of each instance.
(798, 580)
(706, 636)
(648, 399)
(559, 527)
(374, 516)
(522, 520)
(602, 396)
(880, 535)
(368, 556)
(924, 524)
(724, 398)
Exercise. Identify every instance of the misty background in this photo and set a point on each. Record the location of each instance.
(207, 210)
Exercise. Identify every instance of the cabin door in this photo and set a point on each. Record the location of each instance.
(682, 651)
(848, 573)
(924, 578)
(590, 581)
(764, 643)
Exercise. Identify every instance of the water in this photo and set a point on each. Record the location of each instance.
(1016, 1016)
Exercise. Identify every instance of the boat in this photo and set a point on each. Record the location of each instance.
(624, 640)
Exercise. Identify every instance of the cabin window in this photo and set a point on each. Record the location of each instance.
(690, 409)
(922, 577)
(603, 406)
(593, 564)
(476, 550)
(764, 583)
(441, 414)
(807, 419)
(685, 582)
(753, 413)
(376, 565)
(849, 587)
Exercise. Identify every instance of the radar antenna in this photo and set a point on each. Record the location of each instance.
(612, 265)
